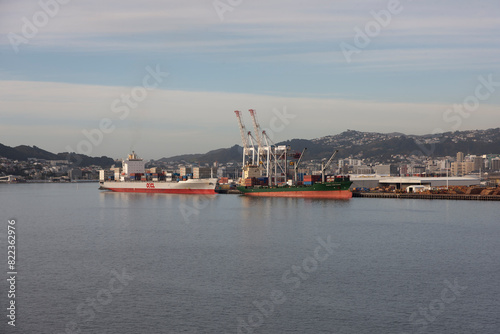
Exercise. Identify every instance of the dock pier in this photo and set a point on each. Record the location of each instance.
(429, 196)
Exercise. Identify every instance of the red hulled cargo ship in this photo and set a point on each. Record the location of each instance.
(191, 186)
(133, 178)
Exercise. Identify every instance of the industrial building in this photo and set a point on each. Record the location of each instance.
(386, 170)
(404, 182)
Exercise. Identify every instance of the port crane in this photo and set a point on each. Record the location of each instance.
(268, 157)
(256, 127)
(264, 151)
(325, 166)
(248, 150)
(278, 157)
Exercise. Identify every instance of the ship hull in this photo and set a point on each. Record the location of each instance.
(339, 194)
(333, 190)
(193, 186)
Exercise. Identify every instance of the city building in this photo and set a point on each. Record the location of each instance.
(362, 169)
(495, 164)
(478, 163)
(386, 170)
(462, 168)
(418, 170)
(105, 174)
(75, 174)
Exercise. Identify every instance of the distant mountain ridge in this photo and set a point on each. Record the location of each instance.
(23, 152)
(372, 146)
(223, 155)
(383, 147)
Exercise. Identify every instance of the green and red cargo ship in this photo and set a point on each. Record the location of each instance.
(335, 187)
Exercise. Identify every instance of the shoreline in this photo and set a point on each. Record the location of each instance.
(55, 182)
(463, 197)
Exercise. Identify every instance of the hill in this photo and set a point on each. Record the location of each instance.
(373, 146)
(223, 155)
(23, 152)
(383, 147)
(35, 152)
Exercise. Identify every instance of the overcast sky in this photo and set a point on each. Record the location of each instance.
(100, 67)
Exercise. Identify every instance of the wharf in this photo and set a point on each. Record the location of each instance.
(429, 196)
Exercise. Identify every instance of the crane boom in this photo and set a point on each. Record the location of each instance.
(256, 126)
(326, 165)
(244, 139)
(242, 129)
(267, 139)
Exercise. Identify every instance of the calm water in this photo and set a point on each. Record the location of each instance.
(97, 262)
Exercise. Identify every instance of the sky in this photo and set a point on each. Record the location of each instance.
(164, 77)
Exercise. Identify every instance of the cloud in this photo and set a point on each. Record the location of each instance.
(167, 25)
(170, 122)
(408, 59)
(285, 51)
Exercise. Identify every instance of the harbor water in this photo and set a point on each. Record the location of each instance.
(101, 262)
